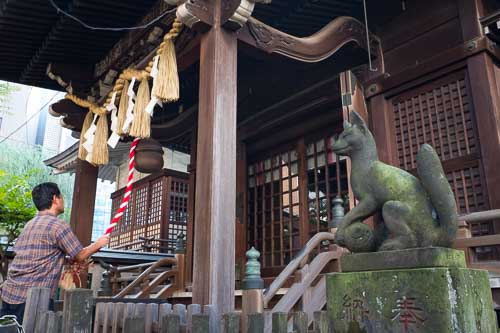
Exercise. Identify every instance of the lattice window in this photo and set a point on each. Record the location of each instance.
(273, 206)
(441, 114)
(441, 117)
(155, 209)
(146, 215)
(178, 209)
(324, 182)
(114, 240)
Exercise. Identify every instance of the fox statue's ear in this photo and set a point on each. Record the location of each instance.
(357, 120)
(346, 124)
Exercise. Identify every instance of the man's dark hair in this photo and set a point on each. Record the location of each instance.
(43, 194)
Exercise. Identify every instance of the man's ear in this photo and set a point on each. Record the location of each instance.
(357, 120)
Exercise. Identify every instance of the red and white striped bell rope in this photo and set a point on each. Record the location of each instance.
(128, 190)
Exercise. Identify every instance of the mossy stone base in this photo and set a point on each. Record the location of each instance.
(441, 300)
(402, 259)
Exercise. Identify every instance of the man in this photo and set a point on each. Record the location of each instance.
(40, 251)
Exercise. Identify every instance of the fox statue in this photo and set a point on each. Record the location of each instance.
(415, 212)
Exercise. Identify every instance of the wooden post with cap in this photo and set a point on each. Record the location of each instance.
(253, 286)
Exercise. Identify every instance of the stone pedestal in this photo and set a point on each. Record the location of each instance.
(438, 294)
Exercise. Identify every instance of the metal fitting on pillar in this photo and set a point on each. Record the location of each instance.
(180, 243)
(252, 278)
(337, 212)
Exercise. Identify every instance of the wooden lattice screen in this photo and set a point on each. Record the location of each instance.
(441, 114)
(324, 182)
(157, 208)
(274, 199)
(273, 206)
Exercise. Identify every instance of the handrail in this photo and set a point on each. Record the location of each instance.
(156, 282)
(480, 216)
(297, 290)
(119, 247)
(146, 243)
(143, 265)
(295, 263)
(294, 294)
(488, 240)
(143, 276)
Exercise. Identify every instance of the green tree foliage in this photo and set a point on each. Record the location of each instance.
(6, 89)
(16, 208)
(27, 161)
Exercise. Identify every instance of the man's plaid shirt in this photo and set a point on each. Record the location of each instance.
(40, 251)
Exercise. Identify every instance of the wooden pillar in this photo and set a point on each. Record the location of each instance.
(82, 208)
(191, 204)
(214, 246)
(382, 127)
(486, 101)
(241, 208)
(303, 193)
(484, 85)
(346, 91)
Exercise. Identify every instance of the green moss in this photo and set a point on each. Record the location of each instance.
(427, 299)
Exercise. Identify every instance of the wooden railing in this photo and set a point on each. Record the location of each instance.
(149, 244)
(144, 279)
(298, 262)
(308, 292)
(476, 247)
(167, 274)
(128, 316)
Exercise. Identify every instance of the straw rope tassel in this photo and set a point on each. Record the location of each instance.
(122, 109)
(128, 189)
(82, 153)
(100, 153)
(166, 86)
(141, 125)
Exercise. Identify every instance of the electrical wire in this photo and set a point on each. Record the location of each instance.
(29, 119)
(367, 39)
(88, 26)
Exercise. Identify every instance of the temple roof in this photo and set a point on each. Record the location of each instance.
(66, 161)
(33, 34)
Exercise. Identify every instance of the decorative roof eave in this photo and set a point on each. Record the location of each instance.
(66, 161)
(314, 48)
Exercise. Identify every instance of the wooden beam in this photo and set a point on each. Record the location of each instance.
(214, 247)
(314, 48)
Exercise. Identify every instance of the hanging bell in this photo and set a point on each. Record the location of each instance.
(149, 156)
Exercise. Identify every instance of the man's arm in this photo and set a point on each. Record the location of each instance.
(86, 252)
(69, 243)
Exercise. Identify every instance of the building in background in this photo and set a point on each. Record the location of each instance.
(102, 210)
(13, 115)
(25, 119)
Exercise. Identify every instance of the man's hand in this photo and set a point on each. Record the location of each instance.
(102, 241)
(92, 248)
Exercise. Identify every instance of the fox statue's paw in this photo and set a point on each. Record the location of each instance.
(340, 237)
(358, 237)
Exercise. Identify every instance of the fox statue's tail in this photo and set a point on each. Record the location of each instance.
(433, 178)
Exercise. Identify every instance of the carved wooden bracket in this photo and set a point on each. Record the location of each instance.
(72, 115)
(317, 47)
(235, 13)
(199, 14)
(73, 78)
